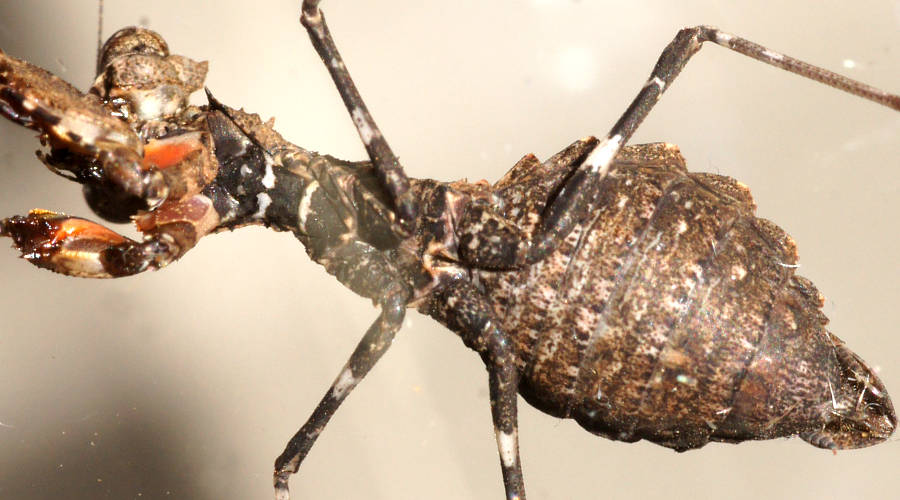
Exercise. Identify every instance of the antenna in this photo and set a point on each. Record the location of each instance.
(99, 32)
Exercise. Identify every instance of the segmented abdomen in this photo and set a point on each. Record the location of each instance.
(644, 322)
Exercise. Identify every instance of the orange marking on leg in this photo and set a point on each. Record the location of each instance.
(169, 152)
(84, 229)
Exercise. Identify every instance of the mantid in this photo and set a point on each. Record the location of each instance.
(490, 264)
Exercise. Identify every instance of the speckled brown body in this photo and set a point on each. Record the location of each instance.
(674, 315)
(606, 284)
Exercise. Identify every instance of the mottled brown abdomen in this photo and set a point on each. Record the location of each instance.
(674, 315)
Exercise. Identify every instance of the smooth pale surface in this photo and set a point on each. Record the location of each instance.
(187, 383)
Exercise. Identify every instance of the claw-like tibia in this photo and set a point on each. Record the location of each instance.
(79, 247)
(75, 246)
(42, 101)
(78, 124)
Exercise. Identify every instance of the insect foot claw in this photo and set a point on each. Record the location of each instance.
(282, 491)
(124, 168)
(155, 189)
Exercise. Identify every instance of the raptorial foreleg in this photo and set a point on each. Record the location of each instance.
(79, 247)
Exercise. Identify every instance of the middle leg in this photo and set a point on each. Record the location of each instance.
(369, 273)
(390, 172)
(576, 197)
(490, 241)
(463, 309)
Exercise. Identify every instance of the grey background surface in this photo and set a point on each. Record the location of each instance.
(186, 383)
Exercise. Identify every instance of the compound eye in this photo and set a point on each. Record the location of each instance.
(111, 202)
(139, 81)
(132, 40)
